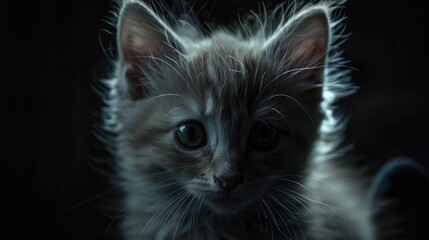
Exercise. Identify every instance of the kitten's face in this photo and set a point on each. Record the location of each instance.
(223, 124)
(226, 138)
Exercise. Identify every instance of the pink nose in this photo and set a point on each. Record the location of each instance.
(228, 182)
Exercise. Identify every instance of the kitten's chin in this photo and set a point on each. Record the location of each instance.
(228, 203)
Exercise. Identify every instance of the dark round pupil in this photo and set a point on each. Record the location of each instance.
(190, 135)
(262, 137)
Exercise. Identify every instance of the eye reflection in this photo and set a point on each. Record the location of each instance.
(190, 135)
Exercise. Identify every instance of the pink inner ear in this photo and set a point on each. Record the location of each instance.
(136, 52)
(135, 84)
(132, 54)
(136, 42)
(310, 53)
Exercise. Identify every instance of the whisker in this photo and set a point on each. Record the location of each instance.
(166, 205)
(291, 181)
(293, 197)
(271, 214)
(264, 215)
(281, 218)
(185, 212)
(194, 216)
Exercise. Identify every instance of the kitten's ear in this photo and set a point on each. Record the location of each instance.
(143, 37)
(303, 42)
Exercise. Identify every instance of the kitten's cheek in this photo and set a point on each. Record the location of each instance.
(207, 154)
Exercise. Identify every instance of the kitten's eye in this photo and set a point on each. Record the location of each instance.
(190, 135)
(263, 137)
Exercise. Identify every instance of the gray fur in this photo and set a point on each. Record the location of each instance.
(167, 74)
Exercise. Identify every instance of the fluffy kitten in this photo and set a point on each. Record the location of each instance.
(232, 135)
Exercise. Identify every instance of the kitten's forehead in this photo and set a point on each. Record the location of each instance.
(211, 80)
(222, 68)
(223, 79)
(221, 92)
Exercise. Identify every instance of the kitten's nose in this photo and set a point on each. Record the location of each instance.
(228, 182)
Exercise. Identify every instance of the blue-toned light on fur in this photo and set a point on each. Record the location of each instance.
(281, 69)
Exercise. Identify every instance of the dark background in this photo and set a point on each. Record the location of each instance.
(52, 51)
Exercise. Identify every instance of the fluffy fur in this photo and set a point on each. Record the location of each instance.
(282, 69)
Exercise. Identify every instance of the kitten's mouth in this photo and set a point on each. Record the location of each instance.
(227, 203)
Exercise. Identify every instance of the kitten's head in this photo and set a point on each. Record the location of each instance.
(221, 118)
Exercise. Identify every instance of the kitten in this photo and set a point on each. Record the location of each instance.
(232, 135)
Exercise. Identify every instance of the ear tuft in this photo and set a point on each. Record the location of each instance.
(303, 42)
